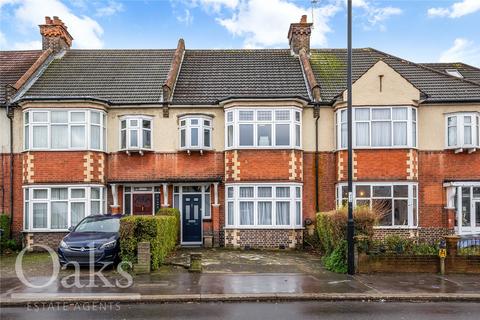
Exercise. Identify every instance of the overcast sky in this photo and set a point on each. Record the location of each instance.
(418, 30)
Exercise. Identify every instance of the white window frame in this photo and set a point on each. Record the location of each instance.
(456, 193)
(232, 118)
(185, 124)
(139, 128)
(87, 124)
(28, 199)
(412, 200)
(293, 199)
(460, 130)
(411, 121)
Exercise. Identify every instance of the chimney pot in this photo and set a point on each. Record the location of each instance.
(55, 35)
(299, 36)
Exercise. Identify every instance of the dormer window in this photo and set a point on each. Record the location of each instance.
(195, 132)
(462, 131)
(454, 72)
(136, 133)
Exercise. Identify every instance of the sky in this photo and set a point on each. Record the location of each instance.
(416, 30)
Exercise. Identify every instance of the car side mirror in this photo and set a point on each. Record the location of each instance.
(71, 228)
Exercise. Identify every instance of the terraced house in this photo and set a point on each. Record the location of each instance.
(248, 144)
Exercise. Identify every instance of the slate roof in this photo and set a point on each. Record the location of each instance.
(13, 65)
(468, 72)
(207, 76)
(117, 76)
(329, 66)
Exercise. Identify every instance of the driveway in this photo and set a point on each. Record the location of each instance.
(251, 261)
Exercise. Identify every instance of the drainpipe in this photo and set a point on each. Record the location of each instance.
(10, 116)
(317, 205)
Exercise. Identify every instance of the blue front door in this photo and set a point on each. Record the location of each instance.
(192, 218)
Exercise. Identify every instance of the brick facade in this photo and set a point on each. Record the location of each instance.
(263, 238)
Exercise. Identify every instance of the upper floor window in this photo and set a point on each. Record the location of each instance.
(135, 133)
(263, 128)
(195, 132)
(462, 130)
(61, 129)
(379, 127)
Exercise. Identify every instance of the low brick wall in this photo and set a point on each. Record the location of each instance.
(419, 264)
(51, 239)
(422, 234)
(397, 263)
(263, 238)
(463, 264)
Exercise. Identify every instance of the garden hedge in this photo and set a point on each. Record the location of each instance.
(332, 232)
(160, 230)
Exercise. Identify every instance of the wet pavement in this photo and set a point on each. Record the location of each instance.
(239, 272)
(264, 311)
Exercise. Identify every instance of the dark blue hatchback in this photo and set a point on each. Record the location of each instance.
(94, 241)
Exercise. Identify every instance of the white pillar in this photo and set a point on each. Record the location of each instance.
(165, 195)
(451, 191)
(215, 194)
(115, 207)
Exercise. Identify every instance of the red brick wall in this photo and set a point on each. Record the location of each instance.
(376, 164)
(263, 165)
(436, 167)
(155, 166)
(17, 193)
(62, 167)
(327, 181)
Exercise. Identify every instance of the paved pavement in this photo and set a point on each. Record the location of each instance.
(243, 310)
(242, 275)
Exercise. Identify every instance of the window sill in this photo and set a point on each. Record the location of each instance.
(378, 148)
(264, 148)
(395, 227)
(263, 228)
(63, 150)
(46, 230)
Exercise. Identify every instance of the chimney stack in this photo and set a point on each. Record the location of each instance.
(299, 36)
(55, 35)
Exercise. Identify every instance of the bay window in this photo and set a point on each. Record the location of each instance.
(396, 202)
(195, 132)
(135, 133)
(59, 207)
(263, 128)
(264, 206)
(60, 129)
(462, 130)
(379, 127)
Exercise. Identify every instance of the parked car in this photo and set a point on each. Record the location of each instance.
(94, 240)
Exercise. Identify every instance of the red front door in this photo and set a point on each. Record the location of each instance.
(142, 204)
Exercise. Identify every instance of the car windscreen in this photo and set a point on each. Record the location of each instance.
(98, 225)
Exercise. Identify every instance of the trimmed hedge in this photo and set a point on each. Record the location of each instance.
(167, 212)
(5, 226)
(160, 230)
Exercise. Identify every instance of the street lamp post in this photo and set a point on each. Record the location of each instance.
(350, 222)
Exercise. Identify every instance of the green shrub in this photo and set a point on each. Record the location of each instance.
(394, 244)
(160, 231)
(332, 232)
(332, 226)
(167, 212)
(336, 261)
(5, 242)
(5, 226)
